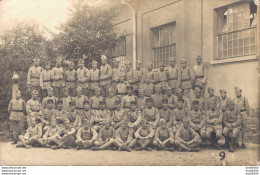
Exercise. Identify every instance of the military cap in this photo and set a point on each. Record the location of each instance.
(210, 88)
(94, 62)
(178, 90)
(127, 62)
(132, 102)
(117, 101)
(79, 89)
(129, 87)
(59, 59)
(165, 100)
(168, 88)
(144, 122)
(115, 60)
(50, 89)
(199, 57)
(197, 89)
(97, 89)
(102, 102)
(36, 60)
(162, 121)
(85, 101)
(50, 101)
(183, 60)
(149, 99)
(138, 62)
(103, 57)
(238, 89)
(195, 102)
(59, 102)
(231, 102)
(81, 61)
(172, 59)
(149, 64)
(71, 63)
(65, 89)
(222, 91)
(111, 89)
(18, 92)
(72, 103)
(185, 120)
(47, 63)
(180, 100)
(34, 92)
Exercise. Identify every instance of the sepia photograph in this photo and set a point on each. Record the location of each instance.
(129, 83)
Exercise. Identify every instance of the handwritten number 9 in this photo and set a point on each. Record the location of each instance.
(222, 155)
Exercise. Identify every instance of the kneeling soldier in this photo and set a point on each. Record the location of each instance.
(32, 135)
(164, 138)
(186, 138)
(232, 124)
(86, 136)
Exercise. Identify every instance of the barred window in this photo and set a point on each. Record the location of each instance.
(164, 44)
(236, 31)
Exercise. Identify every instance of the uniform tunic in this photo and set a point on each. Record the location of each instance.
(186, 134)
(178, 116)
(57, 76)
(132, 76)
(118, 116)
(224, 104)
(79, 102)
(163, 134)
(148, 89)
(201, 100)
(111, 103)
(126, 101)
(45, 79)
(197, 118)
(33, 131)
(70, 79)
(44, 101)
(83, 76)
(66, 101)
(187, 78)
(201, 74)
(48, 115)
(151, 115)
(33, 76)
(106, 73)
(124, 135)
(232, 117)
(167, 115)
(33, 108)
(163, 78)
(86, 134)
(157, 100)
(17, 109)
(174, 76)
(141, 102)
(105, 134)
(214, 115)
(94, 102)
(94, 78)
(214, 99)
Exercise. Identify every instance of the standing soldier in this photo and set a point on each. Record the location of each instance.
(45, 79)
(57, 78)
(151, 114)
(201, 75)
(131, 76)
(66, 99)
(187, 78)
(94, 78)
(116, 72)
(151, 74)
(212, 98)
(50, 96)
(105, 76)
(140, 72)
(33, 108)
(33, 77)
(70, 78)
(83, 77)
(79, 99)
(232, 124)
(162, 77)
(223, 100)
(174, 73)
(17, 110)
(241, 104)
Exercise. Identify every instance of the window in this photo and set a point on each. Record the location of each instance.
(164, 44)
(236, 31)
(118, 51)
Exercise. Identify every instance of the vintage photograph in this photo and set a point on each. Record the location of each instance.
(129, 83)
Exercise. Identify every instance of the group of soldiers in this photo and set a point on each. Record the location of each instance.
(126, 109)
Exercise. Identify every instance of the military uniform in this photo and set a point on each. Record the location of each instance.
(57, 77)
(51, 97)
(45, 80)
(82, 118)
(148, 89)
(157, 98)
(33, 77)
(66, 100)
(197, 122)
(116, 74)
(111, 101)
(85, 137)
(127, 99)
(70, 77)
(33, 109)
(167, 115)
(140, 73)
(162, 78)
(177, 118)
(133, 117)
(83, 76)
(94, 79)
(212, 99)
(197, 97)
(101, 117)
(72, 113)
(47, 116)
(174, 73)
(151, 115)
(232, 122)
(187, 79)
(60, 114)
(121, 90)
(105, 77)
(80, 99)
(105, 136)
(141, 103)
(124, 137)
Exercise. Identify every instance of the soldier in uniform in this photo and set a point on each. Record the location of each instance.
(124, 136)
(140, 72)
(33, 76)
(118, 115)
(95, 100)
(212, 98)
(174, 73)
(141, 101)
(17, 110)
(128, 98)
(163, 138)
(162, 77)
(50, 136)
(134, 116)
(50, 96)
(105, 76)
(33, 108)
(72, 113)
(186, 101)
(143, 137)
(148, 87)
(179, 114)
(151, 114)
(70, 77)
(86, 136)
(172, 99)
(79, 99)
(187, 78)
(157, 97)
(214, 125)
(131, 77)
(232, 124)
(101, 116)
(66, 99)
(197, 97)
(186, 138)
(223, 100)
(32, 136)
(45, 79)
(57, 77)
(106, 138)
(241, 104)
(121, 86)
(111, 99)
(116, 72)
(83, 76)
(166, 113)
(94, 78)
(47, 115)
(60, 114)
(83, 116)
(201, 75)
(197, 119)
(151, 74)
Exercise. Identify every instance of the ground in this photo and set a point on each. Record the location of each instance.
(10, 155)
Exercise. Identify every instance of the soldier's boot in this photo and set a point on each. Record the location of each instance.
(169, 149)
(128, 149)
(54, 147)
(196, 149)
(95, 148)
(14, 142)
(28, 146)
(19, 145)
(231, 148)
(138, 148)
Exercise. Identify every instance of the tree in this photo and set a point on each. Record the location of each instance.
(87, 32)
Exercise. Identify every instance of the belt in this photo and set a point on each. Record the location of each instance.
(46, 80)
(80, 108)
(173, 78)
(13, 110)
(121, 93)
(185, 80)
(160, 107)
(94, 80)
(224, 110)
(71, 81)
(242, 110)
(200, 76)
(163, 81)
(35, 77)
(35, 110)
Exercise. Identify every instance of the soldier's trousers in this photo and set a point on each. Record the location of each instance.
(104, 89)
(18, 128)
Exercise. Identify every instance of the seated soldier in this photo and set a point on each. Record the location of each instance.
(143, 137)
(47, 115)
(65, 138)
(157, 97)
(50, 96)
(50, 136)
(166, 113)
(79, 99)
(172, 99)
(106, 138)
(128, 98)
(214, 126)
(101, 116)
(141, 101)
(197, 97)
(66, 99)
(83, 116)
(186, 101)
(33, 108)
(94, 101)
(148, 87)
(164, 138)
(86, 136)
(121, 86)
(151, 114)
(197, 119)
(32, 136)
(186, 138)
(118, 115)
(72, 113)
(212, 98)
(124, 136)
(110, 100)
(60, 114)
(232, 125)
(134, 116)
(178, 115)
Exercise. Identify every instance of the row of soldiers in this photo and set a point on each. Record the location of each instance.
(175, 76)
(164, 118)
